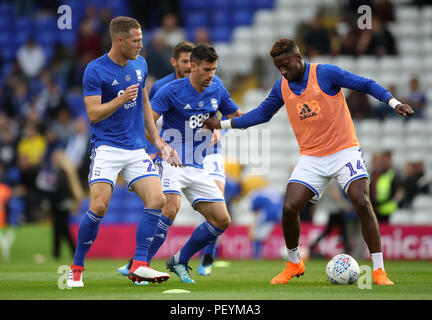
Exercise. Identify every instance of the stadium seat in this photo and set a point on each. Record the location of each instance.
(265, 18)
(415, 127)
(23, 24)
(45, 23)
(392, 127)
(67, 38)
(217, 5)
(366, 64)
(220, 18)
(8, 53)
(407, 14)
(196, 19)
(264, 4)
(391, 142)
(422, 203)
(240, 4)
(220, 34)
(242, 17)
(243, 35)
(401, 217)
(423, 217)
(47, 37)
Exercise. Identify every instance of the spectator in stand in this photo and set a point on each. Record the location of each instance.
(8, 155)
(350, 41)
(383, 10)
(316, 38)
(19, 100)
(103, 28)
(51, 97)
(89, 40)
(202, 35)
(414, 182)
(31, 58)
(60, 187)
(76, 72)
(158, 57)
(381, 110)
(359, 105)
(386, 191)
(170, 31)
(416, 98)
(31, 150)
(77, 149)
(377, 41)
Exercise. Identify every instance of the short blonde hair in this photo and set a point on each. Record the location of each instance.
(122, 25)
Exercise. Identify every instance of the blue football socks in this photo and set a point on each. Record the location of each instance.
(203, 235)
(159, 237)
(146, 232)
(87, 233)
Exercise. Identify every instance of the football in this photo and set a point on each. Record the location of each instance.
(342, 269)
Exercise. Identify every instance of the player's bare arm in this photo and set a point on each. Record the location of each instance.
(165, 151)
(98, 111)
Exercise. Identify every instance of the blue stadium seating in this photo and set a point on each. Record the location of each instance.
(243, 17)
(196, 19)
(220, 34)
(67, 37)
(220, 16)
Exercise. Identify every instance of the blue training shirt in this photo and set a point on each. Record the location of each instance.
(330, 79)
(184, 109)
(159, 84)
(125, 128)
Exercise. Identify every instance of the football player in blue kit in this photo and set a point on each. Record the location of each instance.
(213, 163)
(119, 111)
(185, 104)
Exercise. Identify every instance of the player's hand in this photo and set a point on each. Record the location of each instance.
(216, 137)
(404, 110)
(131, 93)
(168, 154)
(212, 123)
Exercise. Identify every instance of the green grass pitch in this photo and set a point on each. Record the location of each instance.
(23, 278)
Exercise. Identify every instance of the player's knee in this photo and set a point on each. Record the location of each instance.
(289, 210)
(222, 223)
(157, 203)
(170, 210)
(362, 204)
(99, 207)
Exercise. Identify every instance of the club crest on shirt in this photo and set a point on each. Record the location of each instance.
(200, 104)
(127, 77)
(214, 103)
(139, 75)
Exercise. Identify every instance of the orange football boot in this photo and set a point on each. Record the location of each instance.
(380, 277)
(291, 270)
